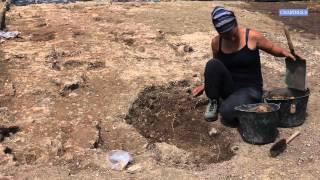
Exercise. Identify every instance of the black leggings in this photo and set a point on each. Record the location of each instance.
(219, 84)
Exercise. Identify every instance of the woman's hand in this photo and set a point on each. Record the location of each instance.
(291, 56)
(288, 55)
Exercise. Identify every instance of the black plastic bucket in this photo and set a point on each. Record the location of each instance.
(293, 105)
(258, 127)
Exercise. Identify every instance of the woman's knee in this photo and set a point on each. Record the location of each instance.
(213, 63)
(228, 117)
(213, 67)
(227, 112)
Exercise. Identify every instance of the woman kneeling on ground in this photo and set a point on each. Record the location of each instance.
(234, 73)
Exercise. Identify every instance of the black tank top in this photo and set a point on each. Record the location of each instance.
(244, 65)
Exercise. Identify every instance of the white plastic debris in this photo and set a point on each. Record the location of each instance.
(118, 159)
(9, 34)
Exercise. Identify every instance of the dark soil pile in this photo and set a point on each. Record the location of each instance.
(170, 114)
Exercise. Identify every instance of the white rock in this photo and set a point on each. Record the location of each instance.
(213, 132)
(317, 53)
(73, 94)
(135, 168)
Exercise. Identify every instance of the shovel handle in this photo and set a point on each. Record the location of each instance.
(198, 91)
(286, 32)
(294, 135)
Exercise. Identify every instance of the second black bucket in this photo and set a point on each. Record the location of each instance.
(293, 105)
(258, 125)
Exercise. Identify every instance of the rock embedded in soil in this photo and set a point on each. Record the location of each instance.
(213, 132)
(3, 109)
(8, 89)
(96, 65)
(6, 159)
(135, 168)
(70, 85)
(187, 48)
(234, 148)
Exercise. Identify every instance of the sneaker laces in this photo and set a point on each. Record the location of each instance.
(213, 105)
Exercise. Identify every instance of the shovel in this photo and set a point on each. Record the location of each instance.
(281, 145)
(295, 70)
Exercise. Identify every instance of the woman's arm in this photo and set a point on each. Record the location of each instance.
(215, 46)
(269, 47)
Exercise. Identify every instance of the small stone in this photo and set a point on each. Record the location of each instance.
(180, 51)
(308, 145)
(3, 109)
(68, 157)
(234, 148)
(187, 48)
(75, 83)
(149, 146)
(9, 89)
(317, 53)
(135, 168)
(56, 81)
(189, 91)
(213, 132)
(141, 49)
(73, 94)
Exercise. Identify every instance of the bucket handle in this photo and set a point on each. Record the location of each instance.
(265, 101)
(293, 107)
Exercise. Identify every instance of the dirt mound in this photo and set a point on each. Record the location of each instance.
(260, 108)
(169, 114)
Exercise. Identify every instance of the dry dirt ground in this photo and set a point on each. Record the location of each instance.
(307, 25)
(79, 73)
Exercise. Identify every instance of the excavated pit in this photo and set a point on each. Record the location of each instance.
(170, 114)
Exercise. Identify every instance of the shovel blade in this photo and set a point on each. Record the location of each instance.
(296, 74)
(278, 148)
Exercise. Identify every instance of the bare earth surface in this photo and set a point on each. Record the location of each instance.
(307, 25)
(70, 81)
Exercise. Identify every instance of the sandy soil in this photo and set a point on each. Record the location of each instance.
(70, 80)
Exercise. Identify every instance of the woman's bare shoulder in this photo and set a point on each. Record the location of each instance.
(215, 45)
(255, 34)
(215, 42)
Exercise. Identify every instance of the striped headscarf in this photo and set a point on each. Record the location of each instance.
(223, 20)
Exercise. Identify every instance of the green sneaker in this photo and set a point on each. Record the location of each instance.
(211, 113)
